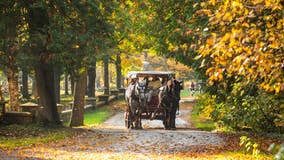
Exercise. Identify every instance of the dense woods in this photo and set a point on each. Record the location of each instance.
(234, 47)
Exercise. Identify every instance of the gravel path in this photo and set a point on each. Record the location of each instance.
(112, 141)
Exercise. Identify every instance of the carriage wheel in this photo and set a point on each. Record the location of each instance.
(127, 120)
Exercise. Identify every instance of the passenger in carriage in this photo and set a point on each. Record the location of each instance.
(155, 83)
(153, 87)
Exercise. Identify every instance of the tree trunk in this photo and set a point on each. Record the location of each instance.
(13, 86)
(92, 80)
(1, 94)
(77, 117)
(66, 84)
(57, 84)
(72, 84)
(25, 89)
(38, 22)
(106, 76)
(118, 71)
(44, 75)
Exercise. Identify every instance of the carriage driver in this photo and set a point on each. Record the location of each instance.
(133, 80)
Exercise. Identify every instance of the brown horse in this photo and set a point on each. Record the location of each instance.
(169, 97)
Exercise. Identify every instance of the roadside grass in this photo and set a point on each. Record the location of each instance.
(239, 155)
(97, 116)
(12, 136)
(186, 93)
(201, 122)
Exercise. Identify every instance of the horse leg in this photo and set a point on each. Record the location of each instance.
(172, 121)
(137, 119)
(140, 119)
(167, 119)
(139, 122)
(173, 118)
(132, 121)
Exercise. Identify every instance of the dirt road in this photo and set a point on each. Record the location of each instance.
(112, 141)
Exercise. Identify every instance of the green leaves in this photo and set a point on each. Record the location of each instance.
(250, 146)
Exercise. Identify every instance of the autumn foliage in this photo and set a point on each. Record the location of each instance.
(245, 39)
(242, 55)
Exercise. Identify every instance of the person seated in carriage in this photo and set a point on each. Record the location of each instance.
(155, 83)
(153, 87)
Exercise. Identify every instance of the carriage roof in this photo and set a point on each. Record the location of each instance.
(150, 73)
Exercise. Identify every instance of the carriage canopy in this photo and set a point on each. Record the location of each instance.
(161, 74)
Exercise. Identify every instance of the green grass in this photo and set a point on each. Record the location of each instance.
(238, 155)
(12, 136)
(97, 116)
(184, 93)
(200, 122)
(187, 93)
(12, 143)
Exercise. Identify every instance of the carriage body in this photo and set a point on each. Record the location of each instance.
(151, 110)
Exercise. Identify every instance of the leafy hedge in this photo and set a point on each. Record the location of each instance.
(260, 112)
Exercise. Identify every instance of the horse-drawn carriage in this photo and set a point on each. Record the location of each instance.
(151, 95)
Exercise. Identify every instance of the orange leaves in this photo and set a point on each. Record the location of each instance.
(210, 41)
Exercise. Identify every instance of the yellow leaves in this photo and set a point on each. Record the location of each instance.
(228, 17)
(236, 32)
(212, 2)
(275, 44)
(209, 70)
(273, 4)
(245, 25)
(226, 37)
(277, 88)
(269, 24)
(254, 32)
(280, 24)
(246, 40)
(236, 4)
(218, 14)
(215, 74)
(184, 47)
(173, 48)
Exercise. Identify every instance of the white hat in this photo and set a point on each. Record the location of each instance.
(133, 76)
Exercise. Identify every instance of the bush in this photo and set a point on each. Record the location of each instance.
(261, 112)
